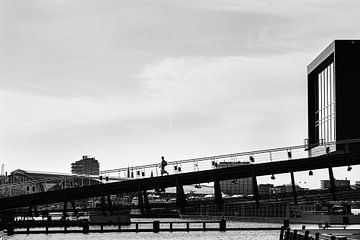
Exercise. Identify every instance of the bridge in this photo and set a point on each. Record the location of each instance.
(277, 161)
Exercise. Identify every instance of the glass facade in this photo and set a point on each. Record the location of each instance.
(325, 113)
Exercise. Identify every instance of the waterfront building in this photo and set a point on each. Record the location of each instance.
(235, 186)
(325, 184)
(86, 166)
(333, 103)
(21, 182)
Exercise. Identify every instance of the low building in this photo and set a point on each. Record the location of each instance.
(21, 182)
(264, 189)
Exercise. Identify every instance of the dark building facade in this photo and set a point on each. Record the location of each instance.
(86, 166)
(235, 186)
(333, 102)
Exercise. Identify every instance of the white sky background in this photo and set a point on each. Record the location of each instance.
(130, 81)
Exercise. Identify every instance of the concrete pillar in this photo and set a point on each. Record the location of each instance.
(218, 197)
(146, 202)
(255, 189)
(332, 182)
(180, 197)
(293, 186)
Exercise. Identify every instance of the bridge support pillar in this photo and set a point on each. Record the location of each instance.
(255, 189)
(332, 182)
(73, 205)
(64, 211)
(180, 197)
(293, 186)
(141, 202)
(109, 203)
(218, 197)
(146, 202)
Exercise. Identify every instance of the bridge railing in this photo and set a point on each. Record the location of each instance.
(229, 160)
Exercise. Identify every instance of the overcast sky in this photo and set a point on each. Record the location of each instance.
(130, 81)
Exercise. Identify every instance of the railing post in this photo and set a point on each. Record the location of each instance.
(188, 226)
(171, 226)
(204, 226)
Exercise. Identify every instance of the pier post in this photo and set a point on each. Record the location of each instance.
(10, 229)
(287, 234)
(306, 237)
(317, 236)
(204, 226)
(171, 227)
(295, 236)
(85, 227)
(137, 227)
(156, 226)
(188, 226)
(222, 225)
(282, 233)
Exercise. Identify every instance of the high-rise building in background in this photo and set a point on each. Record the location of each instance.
(333, 102)
(235, 186)
(86, 166)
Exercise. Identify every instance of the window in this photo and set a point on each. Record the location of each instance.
(326, 105)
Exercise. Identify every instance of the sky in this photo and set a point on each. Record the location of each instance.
(130, 81)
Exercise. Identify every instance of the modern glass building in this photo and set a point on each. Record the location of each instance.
(333, 96)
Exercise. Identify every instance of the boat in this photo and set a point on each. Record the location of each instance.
(118, 217)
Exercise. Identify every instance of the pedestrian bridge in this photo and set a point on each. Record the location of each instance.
(199, 170)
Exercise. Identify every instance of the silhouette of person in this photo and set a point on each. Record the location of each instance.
(163, 165)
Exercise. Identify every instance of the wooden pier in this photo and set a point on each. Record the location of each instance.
(50, 227)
